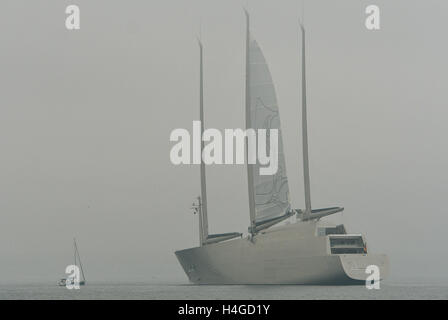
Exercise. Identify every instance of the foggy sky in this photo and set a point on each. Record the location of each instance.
(85, 119)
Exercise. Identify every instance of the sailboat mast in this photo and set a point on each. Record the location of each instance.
(79, 259)
(203, 202)
(306, 169)
(250, 172)
(74, 251)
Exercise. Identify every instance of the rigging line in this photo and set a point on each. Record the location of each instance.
(303, 12)
(200, 29)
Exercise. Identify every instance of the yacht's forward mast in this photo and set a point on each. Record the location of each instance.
(203, 200)
(201, 207)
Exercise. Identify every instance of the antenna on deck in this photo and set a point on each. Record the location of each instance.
(197, 209)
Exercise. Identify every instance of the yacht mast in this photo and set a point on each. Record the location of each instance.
(306, 169)
(203, 201)
(250, 172)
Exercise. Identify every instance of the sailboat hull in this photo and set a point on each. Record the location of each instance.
(291, 254)
(63, 283)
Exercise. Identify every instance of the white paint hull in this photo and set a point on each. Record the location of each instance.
(290, 254)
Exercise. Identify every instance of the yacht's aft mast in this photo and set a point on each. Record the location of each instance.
(306, 169)
(309, 214)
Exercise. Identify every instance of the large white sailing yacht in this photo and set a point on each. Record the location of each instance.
(309, 251)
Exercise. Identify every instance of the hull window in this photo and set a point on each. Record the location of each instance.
(347, 245)
(340, 229)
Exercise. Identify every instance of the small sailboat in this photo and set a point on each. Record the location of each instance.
(82, 281)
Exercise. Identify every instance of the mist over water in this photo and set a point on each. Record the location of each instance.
(86, 117)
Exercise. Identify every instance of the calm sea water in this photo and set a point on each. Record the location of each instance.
(152, 291)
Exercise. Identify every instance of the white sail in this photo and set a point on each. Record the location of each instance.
(78, 257)
(271, 192)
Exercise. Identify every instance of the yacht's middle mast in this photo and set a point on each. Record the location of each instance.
(250, 172)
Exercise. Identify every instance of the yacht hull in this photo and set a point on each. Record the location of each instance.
(291, 254)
